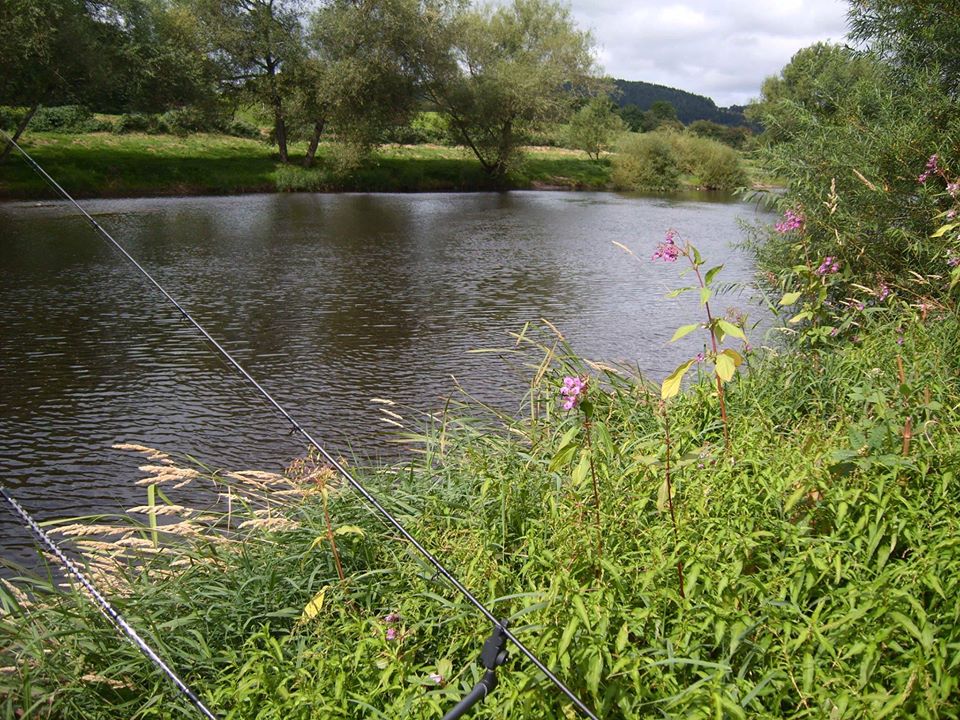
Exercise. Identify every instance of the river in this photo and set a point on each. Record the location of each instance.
(328, 300)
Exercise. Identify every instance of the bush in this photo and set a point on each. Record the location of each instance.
(10, 117)
(188, 120)
(243, 129)
(646, 162)
(716, 166)
(67, 118)
(138, 123)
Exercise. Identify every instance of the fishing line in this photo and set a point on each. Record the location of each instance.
(112, 615)
(337, 465)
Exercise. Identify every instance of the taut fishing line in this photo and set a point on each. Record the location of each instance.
(500, 627)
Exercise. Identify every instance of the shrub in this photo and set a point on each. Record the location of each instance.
(646, 162)
(10, 117)
(716, 166)
(65, 118)
(243, 129)
(188, 120)
(138, 123)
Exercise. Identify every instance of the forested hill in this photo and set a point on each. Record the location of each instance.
(689, 107)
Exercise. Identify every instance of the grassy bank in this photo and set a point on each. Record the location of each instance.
(108, 165)
(812, 569)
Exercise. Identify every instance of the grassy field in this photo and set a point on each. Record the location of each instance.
(108, 165)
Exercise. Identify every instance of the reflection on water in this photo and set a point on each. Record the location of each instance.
(329, 300)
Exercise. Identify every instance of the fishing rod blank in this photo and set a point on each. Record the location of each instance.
(337, 465)
(112, 615)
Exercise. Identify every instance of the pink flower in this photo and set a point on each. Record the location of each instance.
(883, 292)
(828, 266)
(437, 678)
(953, 188)
(668, 250)
(391, 633)
(932, 168)
(572, 391)
(391, 618)
(791, 221)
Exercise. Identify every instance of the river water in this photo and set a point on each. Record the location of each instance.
(328, 300)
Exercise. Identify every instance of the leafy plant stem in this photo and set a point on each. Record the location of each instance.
(596, 500)
(673, 515)
(715, 348)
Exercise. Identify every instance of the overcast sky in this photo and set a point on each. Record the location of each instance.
(719, 48)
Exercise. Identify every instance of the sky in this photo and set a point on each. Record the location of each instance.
(719, 48)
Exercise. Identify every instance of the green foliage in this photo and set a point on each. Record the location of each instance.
(736, 137)
(816, 82)
(688, 106)
(593, 127)
(67, 119)
(646, 162)
(501, 72)
(820, 572)
(715, 165)
(10, 117)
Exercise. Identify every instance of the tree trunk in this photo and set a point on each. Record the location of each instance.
(19, 131)
(314, 142)
(280, 128)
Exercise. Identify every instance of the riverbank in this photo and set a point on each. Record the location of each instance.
(811, 565)
(136, 165)
(108, 165)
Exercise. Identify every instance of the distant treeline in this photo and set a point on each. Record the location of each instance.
(689, 107)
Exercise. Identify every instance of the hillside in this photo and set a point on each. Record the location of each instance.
(689, 107)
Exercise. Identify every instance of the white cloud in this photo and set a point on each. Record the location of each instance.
(722, 49)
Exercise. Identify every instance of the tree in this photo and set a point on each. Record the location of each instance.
(911, 36)
(47, 48)
(594, 125)
(501, 73)
(255, 39)
(356, 74)
(816, 81)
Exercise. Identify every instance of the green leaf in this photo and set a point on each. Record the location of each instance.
(725, 367)
(349, 530)
(733, 355)
(711, 273)
(678, 292)
(314, 607)
(790, 298)
(684, 330)
(730, 329)
(671, 384)
(944, 229)
(805, 315)
(705, 295)
(583, 467)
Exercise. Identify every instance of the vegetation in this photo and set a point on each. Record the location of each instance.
(777, 539)
(688, 107)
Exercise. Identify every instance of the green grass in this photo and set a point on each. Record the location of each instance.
(820, 569)
(107, 165)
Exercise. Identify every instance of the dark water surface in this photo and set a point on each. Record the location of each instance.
(329, 300)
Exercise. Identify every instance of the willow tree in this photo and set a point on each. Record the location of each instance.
(501, 73)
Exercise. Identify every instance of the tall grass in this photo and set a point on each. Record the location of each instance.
(820, 572)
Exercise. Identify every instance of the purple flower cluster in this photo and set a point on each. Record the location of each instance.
(791, 221)
(829, 266)
(953, 188)
(668, 250)
(953, 259)
(932, 168)
(572, 391)
(391, 619)
(883, 292)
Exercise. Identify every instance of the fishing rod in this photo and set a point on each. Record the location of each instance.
(499, 626)
(103, 604)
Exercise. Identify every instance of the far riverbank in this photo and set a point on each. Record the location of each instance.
(136, 165)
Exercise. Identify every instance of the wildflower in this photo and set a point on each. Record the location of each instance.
(572, 391)
(953, 259)
(829, 266)
(932, 168)
(668, 250)
(951, 214)
(700, 357)
(391, 633)
(391, 618)
(883, 292)
(953, 188)
(899, 335)
(791, 221)
(437, 678)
